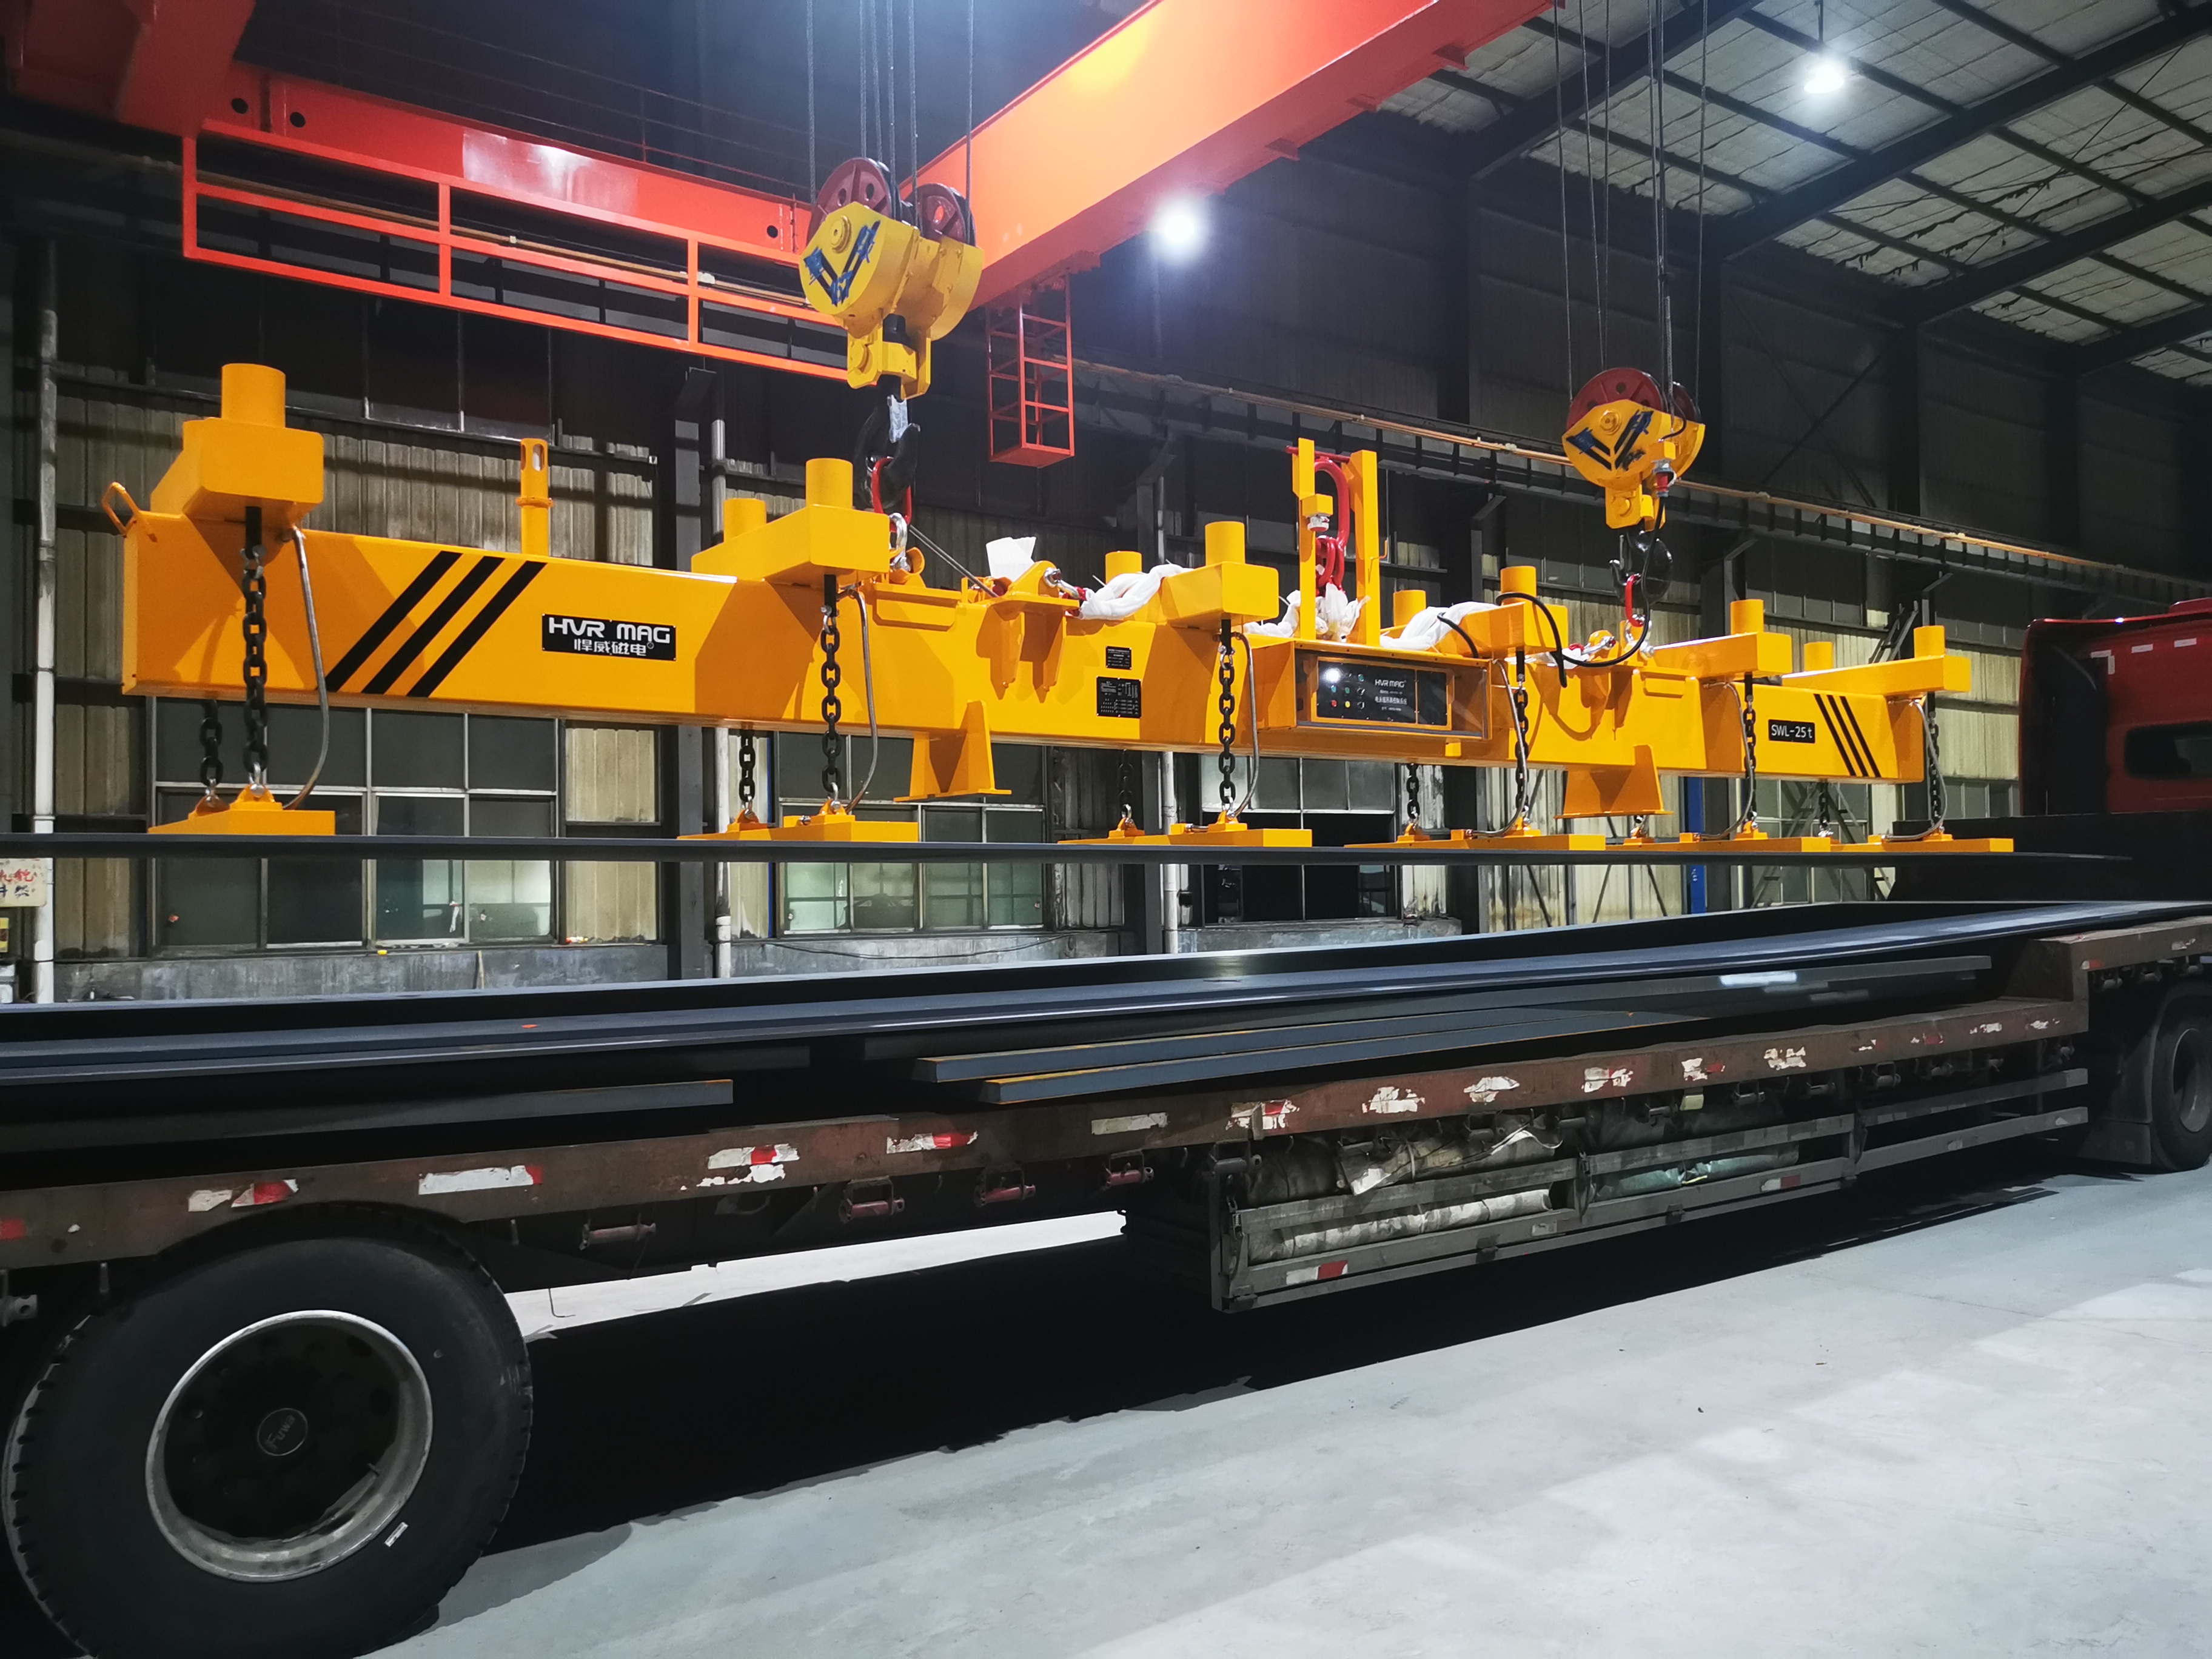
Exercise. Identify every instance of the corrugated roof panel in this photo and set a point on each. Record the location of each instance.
(2070, 26)
(1842, 246)
(1449, 109)
(2181, 80)
(1920, 42)
(2029, 313)
(2100, 132)
(2120, 299)
(2177, 366)
(2011, 181)
(1959, 235)
(1901, 230)
(1862, 115)
(2181, 250)
(1751, 150)
(1521, 60)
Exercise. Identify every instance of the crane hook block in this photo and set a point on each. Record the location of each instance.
(894, 285)
(1632, 442)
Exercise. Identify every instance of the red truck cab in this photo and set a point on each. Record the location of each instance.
(2116, 713)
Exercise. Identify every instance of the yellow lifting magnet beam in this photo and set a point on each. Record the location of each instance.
(740, 641)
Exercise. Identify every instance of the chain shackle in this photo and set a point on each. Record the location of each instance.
(1413, 796)
(746, 761)
(256, 628)
(1228, 707)
(832, 710)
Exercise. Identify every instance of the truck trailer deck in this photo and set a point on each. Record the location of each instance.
(251, 1252)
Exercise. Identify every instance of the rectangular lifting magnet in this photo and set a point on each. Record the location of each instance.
(251, 812)
(830, 824)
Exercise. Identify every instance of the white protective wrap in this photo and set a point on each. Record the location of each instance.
(1125, 595)
(1333, 615)
(1428, 627)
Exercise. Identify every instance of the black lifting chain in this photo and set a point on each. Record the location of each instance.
(1128, 785)
(211, 749)
(1413, 796)
(831, 674)
(1749, 816)
(1933, 750)
(746, 764)
(1228, 704)
(257, 656)
(1521, 796)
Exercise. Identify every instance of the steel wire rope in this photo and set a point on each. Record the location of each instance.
(1590, 180)
(1566, 259)
(914, 105)
(813, 178)
(322, 680)
(1520, 749)
(868, 689)
(1605, 147)
(1705, 104)
(970, 183)
(1662, 300)
(1252, 720)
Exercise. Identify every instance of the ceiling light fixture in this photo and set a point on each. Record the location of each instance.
(1827, 76)
(1179, 227)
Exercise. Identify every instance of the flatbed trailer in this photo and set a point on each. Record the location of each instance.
(266, 1397)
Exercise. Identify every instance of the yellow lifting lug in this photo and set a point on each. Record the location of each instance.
(1745, 648)
(1929, 669)
(252, 811)
(245, 456)
(827, 537)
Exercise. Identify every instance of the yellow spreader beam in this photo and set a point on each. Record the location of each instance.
(739, 641)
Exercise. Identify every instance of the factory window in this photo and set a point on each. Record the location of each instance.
(1343, 802)
(393, 772)
(611, 788)
(890, 898)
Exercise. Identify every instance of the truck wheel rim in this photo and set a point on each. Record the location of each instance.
(288, 1445)
(2190, 1079)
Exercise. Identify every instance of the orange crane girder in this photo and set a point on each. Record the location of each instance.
(1188, 96)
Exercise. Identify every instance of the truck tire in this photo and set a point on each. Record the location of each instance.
(290, 1452)
(2164, 1077)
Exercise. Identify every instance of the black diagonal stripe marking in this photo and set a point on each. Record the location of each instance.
(1836, 736)
(479, 625)
(404, 658)
(1861, 756)
(1865, 748)
(395, 613)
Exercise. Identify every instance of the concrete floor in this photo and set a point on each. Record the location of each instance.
(1962, 1410)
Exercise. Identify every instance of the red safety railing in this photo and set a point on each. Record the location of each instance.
(311, 182)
